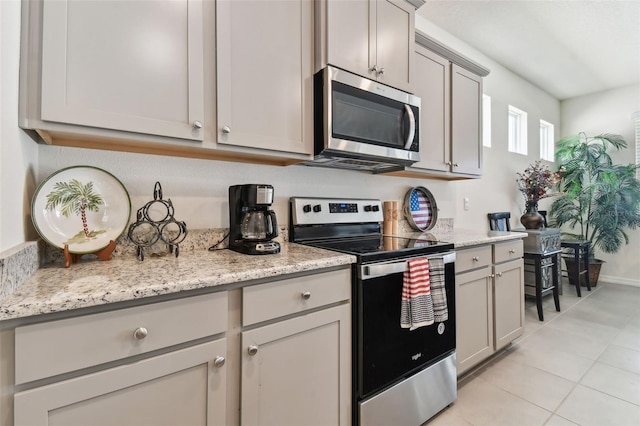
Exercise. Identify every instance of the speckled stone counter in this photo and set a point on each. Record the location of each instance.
(465, 238)
(54, 288)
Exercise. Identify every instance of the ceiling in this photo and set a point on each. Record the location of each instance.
(566, 47)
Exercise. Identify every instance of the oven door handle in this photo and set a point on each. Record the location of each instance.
(388, 268)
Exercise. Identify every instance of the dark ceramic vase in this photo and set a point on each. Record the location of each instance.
(531, 219)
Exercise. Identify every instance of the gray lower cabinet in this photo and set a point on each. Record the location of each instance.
(489, 300)
(277, 352)
(183, 387)
(297, 370)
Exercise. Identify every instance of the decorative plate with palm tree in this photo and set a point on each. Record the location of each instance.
(82, 207)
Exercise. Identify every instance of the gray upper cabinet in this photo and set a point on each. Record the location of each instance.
(264, 75)
(134, 66)
(450, 118)
(372, 38)
(466, 121)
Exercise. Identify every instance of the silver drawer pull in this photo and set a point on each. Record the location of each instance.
(306, 295)
(512, 251)
(252, 350)
(219, 361)
(499, 274)
(476, 259)
(140, 333)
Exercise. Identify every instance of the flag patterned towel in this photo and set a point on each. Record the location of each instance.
(438, 291)
(417, 306)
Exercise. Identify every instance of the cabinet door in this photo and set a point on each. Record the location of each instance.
(264, 74)
(474, 317)
(466, 121)
(347, 33)
(135, 66)
(183, 387)
(394, 42)
(508, 297)
(431, 84)
(298, 371)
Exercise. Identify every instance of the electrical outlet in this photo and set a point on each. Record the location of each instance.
(466, 203)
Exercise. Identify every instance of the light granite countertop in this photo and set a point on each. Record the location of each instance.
(91, 282)
(462, 238)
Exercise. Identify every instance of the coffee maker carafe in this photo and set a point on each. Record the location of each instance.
(252, 225)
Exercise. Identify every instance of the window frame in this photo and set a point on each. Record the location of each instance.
(547, 141)
(517, 130)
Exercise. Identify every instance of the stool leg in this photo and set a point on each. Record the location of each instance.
(538, 266)
(586, 265)
(554, 275)
(576, 272)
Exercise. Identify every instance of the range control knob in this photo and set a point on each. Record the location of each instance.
(317, 208)
(367, 208)
(306, 208)
(375, 208)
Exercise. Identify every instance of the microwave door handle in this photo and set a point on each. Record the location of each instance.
(412, 127)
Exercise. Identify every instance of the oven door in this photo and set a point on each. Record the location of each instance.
(367, 119)
(387, 353)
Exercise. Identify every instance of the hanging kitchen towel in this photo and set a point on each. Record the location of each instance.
(417, 307)
(438, 292)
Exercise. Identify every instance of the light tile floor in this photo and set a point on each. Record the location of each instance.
(581, 366)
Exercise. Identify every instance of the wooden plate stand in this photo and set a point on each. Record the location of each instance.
(103, 254)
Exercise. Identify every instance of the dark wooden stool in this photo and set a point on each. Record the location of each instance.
(580, 249)
(540, 291)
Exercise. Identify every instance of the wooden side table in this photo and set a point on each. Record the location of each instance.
(580, 250)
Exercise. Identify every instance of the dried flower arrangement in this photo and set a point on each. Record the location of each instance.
(536, 181)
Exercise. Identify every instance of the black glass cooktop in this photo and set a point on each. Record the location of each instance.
(381, 247)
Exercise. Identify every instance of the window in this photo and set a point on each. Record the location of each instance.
(546, 141)
(517, 130)
(486, 120)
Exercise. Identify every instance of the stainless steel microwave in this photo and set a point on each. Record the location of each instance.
(362, 124)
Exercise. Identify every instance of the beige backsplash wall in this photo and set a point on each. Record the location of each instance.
(198, 189)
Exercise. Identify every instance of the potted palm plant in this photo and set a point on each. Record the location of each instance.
(599, 200)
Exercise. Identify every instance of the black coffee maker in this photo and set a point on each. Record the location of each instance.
(252, 225)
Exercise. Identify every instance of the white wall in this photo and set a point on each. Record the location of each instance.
(610, 112)
(18, 153)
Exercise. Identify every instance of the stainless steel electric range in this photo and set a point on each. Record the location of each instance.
(400, 377)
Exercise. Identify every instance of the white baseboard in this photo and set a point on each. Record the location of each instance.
(619, 280)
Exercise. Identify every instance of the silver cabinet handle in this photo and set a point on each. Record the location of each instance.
(492, 276)
(374, 69)
(219, 361)
(140, 333)
(381, 71)
(306, 295)
(197, 124)
(512, 251)
(226, 129)
(499, 274)
(476, 259)
(448, 163)
(455, 164)
(252, 350)
(412, 127)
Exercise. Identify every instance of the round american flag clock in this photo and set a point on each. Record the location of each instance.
(420, 209)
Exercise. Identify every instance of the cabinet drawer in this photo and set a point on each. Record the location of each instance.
(56, 347)
(472, 258)
(266, 301)
(510, 250)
